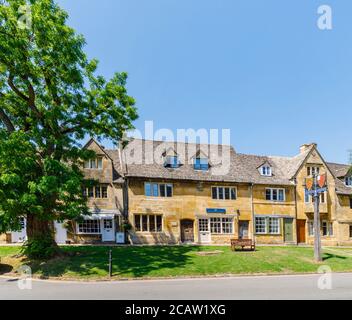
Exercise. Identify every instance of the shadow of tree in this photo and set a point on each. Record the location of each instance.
(137, 261)
(5, 268)
(328, 256)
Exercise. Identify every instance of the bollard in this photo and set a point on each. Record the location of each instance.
(110, 263)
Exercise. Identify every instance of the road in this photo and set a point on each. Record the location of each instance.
(237, 288)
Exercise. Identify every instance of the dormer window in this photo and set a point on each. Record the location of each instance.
(96, 163)
(265, 171)
(348, 181)
(201, 164)
(172, 162)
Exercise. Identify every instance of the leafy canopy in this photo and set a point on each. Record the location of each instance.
(50, 99)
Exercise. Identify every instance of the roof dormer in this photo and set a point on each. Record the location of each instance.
(171, 158)
(266, 169)
(201, 161)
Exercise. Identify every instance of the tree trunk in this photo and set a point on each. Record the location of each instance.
(41, 242)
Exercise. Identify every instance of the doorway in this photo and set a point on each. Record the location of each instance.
(60, 233)
(108, 230)
(288, 230)
(204, 230)
(243, 228)
(301, 231)
(187, 231)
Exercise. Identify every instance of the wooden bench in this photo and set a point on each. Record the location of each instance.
(243, 243)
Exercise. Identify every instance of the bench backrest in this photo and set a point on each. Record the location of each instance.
(247, 242)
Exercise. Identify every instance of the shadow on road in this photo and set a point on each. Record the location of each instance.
(5, 268)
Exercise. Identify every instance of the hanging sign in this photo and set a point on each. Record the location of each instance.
(319, 187)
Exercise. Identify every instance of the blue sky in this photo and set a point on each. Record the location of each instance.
(260, 68)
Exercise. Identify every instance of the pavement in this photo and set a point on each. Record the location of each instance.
(307, 287)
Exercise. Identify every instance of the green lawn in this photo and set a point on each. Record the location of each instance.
(171, 261)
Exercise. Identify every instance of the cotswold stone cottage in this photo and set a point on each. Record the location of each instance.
(173, 193)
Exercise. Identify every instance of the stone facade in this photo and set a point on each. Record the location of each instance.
(191, 214)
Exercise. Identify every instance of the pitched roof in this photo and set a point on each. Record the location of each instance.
(144, 159)
(339, 170)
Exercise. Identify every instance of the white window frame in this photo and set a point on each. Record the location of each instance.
(88, 233)
(311, 198)
(278, 192)
(348, 181)
(313, 169)
(329, 228)
(148, 222)
(100, 186)
(266, 171)
(267, 225)
(223, 187)
(311, 230)
(89, 164)
(222, 220)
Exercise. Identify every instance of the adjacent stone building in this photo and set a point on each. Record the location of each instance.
(153, 192)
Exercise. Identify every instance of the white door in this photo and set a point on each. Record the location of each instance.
(60, 233)
(204, 231)
(108, 233)
(20, 236)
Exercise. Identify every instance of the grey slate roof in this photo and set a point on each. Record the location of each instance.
(144, 159)
(339, 170)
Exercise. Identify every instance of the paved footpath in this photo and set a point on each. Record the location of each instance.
(261, 287)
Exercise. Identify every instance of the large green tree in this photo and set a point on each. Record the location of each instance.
(50, 99)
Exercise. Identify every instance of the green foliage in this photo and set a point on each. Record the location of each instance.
(40, 248)
(50, 99)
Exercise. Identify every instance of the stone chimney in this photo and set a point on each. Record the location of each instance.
(305, 147)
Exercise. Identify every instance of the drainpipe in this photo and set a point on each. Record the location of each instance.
(296, 210)
(252, 209)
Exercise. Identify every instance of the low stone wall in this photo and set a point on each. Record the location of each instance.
(269, 239)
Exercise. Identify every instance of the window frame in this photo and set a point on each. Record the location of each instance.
(153, 189)
(172, 164)
(91, 192)
(329, 228)
(266, 171)
(267, 225)
(78, 224)
(277, 194)
(221, 224)
(142, 216)
(223, 192)
(98, 164)
(201, 166)
(348, 181)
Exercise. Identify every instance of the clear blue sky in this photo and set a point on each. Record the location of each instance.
(260, 68)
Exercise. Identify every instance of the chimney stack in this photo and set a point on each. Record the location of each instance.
(307, 146)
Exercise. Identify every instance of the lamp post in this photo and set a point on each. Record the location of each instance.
(317, 238)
